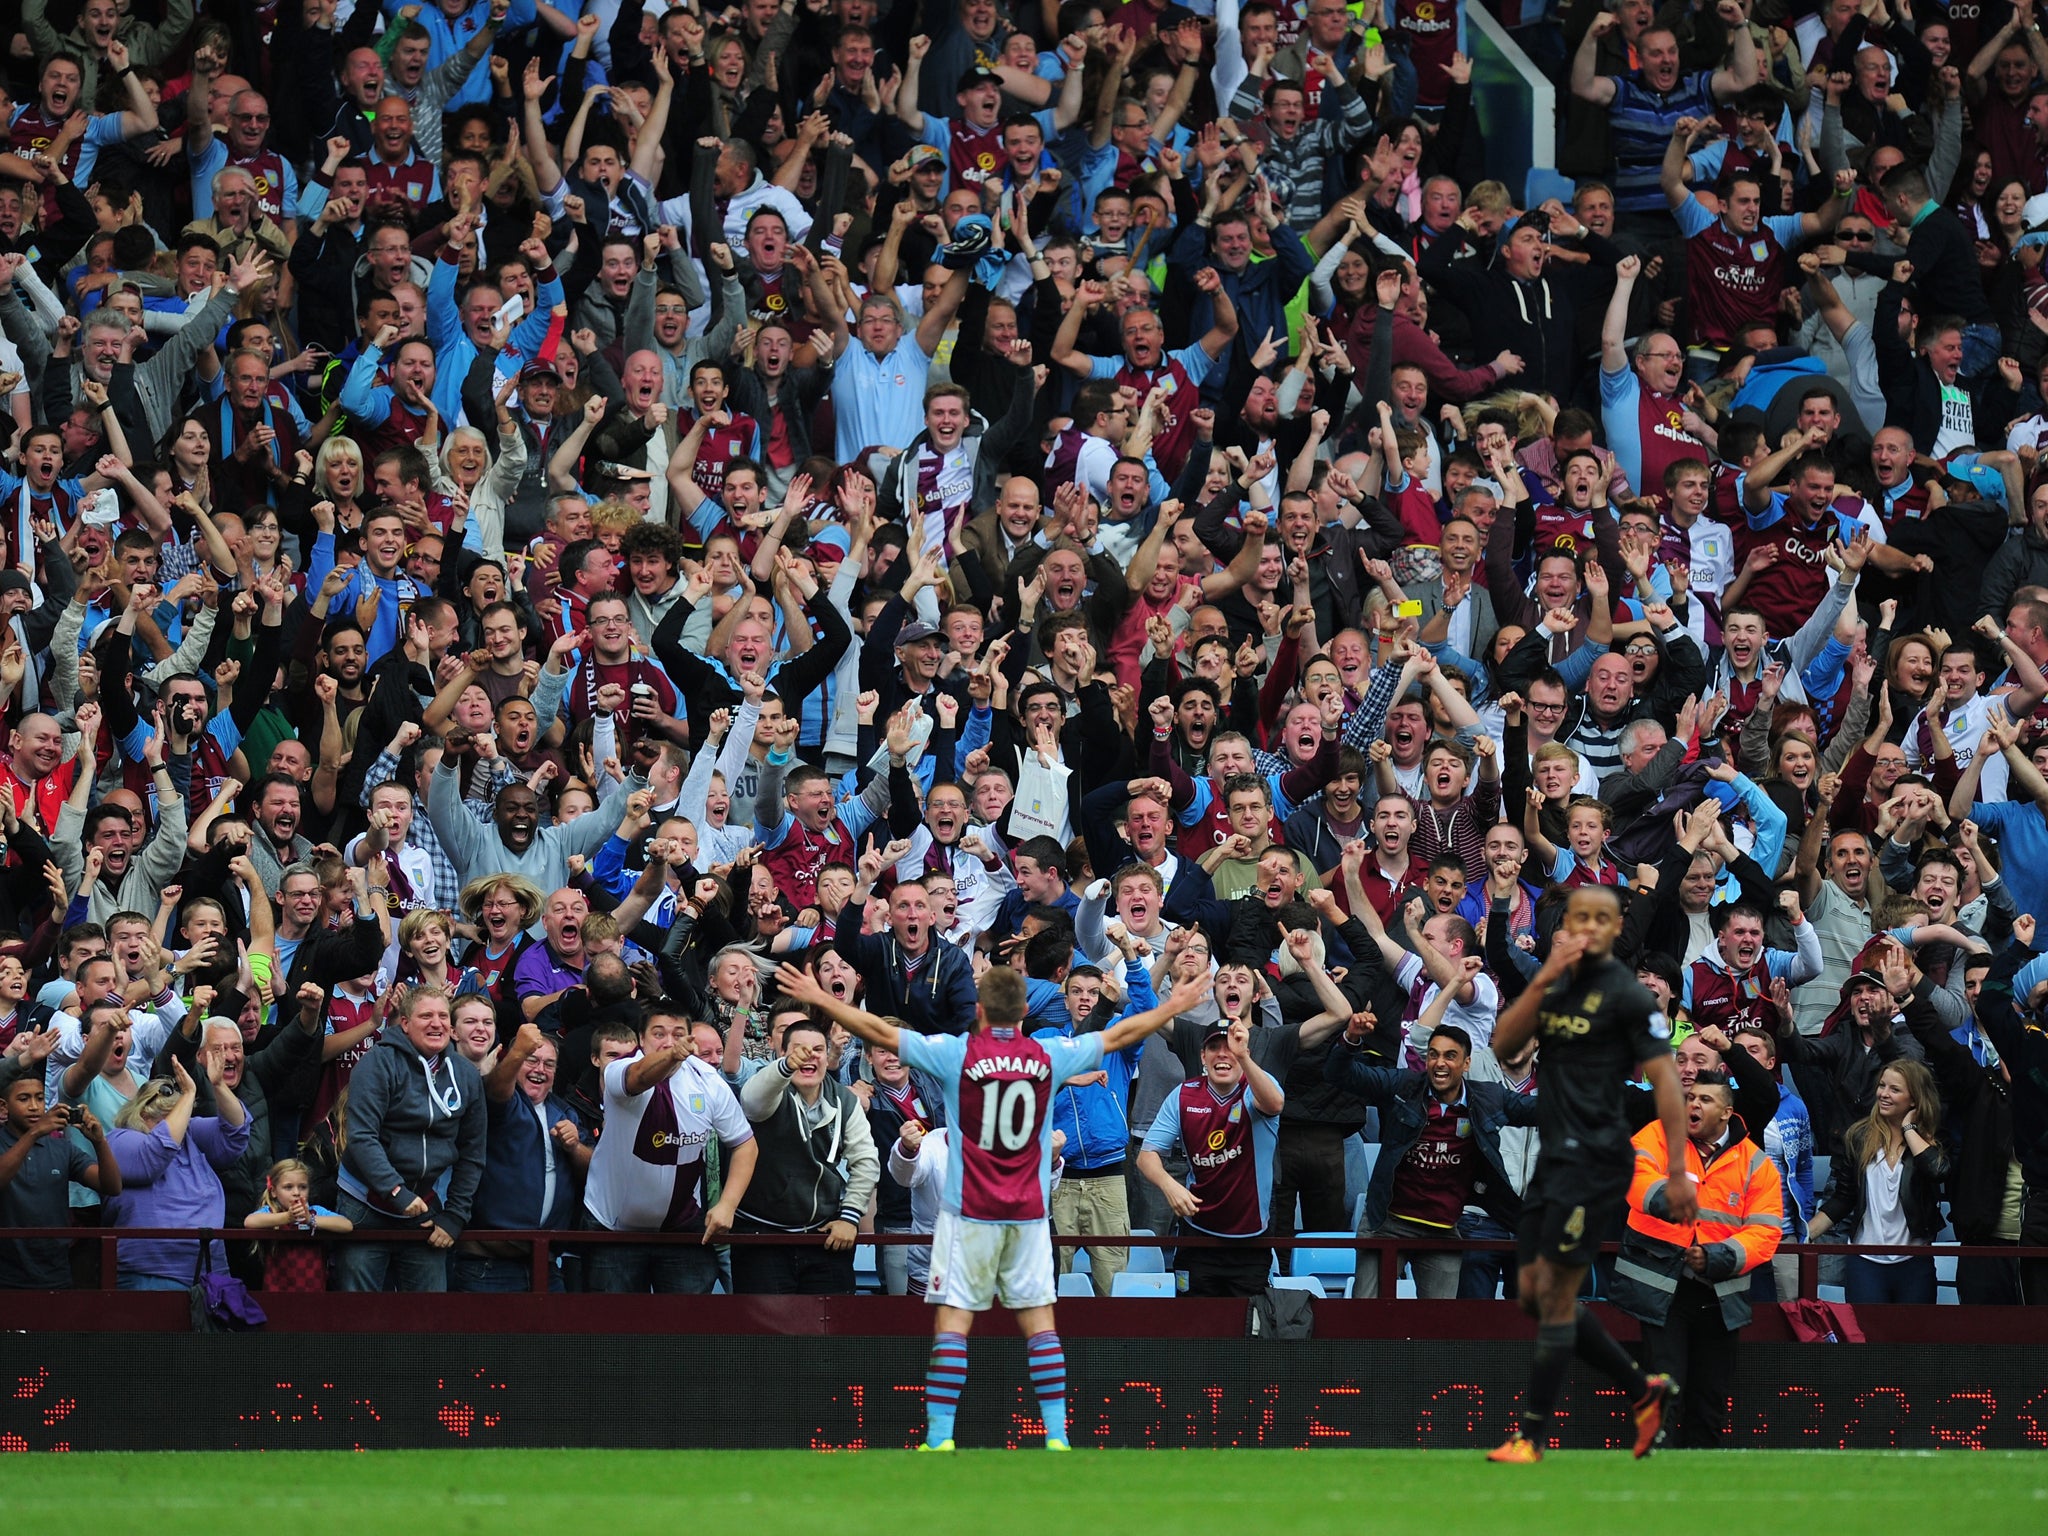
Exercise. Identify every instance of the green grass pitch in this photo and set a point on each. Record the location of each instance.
(992, 1493)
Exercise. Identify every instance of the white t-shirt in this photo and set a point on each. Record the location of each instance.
(1475, 1018)
(1965, 729)
(654, 1139)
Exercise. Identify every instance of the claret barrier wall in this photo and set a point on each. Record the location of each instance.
(335, 1371)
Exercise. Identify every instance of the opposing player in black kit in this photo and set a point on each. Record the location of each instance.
(1597, 1025)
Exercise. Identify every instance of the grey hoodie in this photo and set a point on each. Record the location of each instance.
(409, 1123)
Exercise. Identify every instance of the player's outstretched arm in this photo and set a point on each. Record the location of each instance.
(1517, 1023)
(1681, 1199)
(802, 988)
(1126, 1032)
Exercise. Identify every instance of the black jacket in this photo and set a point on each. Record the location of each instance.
(1534, 320)
(1851, 1064)
(1977, 1102)
(707, 687)
(2020, 562)
(2023, 1044)
(1946, 277)
(1403, 1099)
(1919, 1193)
(1913, 393)
(940, 1000)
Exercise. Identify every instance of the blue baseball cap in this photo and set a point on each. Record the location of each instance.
(1987, 482)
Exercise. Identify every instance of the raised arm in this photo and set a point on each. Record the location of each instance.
(1614, 325)
(1588, 84)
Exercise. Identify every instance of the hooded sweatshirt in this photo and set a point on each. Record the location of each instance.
(411, 1121)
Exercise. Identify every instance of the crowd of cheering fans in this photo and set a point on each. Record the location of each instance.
(541, 548)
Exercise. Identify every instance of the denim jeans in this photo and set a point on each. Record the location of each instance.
(385, 1267)
(476, 1273)
(681, 1270)
(129, 1280)
(1481, 1275)
(1910, 1281)
(791, 1271)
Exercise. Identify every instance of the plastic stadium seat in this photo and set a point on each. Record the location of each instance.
(1945, 1279)
(1145, 1261)
(867, 1277)
(1082, 1263)
(1543, 183)
(1820, 1173)
(1074, 1283)
(1307, 1283)
(1128, 1283)
(1332, 1266)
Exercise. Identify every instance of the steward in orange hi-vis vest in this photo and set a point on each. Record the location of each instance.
(1688, 1283)
(1742, 1211)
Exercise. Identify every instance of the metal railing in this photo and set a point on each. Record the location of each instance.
(542, 1245)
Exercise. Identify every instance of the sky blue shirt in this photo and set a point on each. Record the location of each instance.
(879, 401)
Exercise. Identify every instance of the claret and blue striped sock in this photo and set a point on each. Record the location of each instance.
(1049, 1381)
(945, 1378)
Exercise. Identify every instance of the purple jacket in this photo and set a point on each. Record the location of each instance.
(165, 1184)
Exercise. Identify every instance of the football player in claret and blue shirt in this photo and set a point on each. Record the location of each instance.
(992, 1238)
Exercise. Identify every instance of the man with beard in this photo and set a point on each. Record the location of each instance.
(515, 842)
(277, 843)
(1838, 905)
